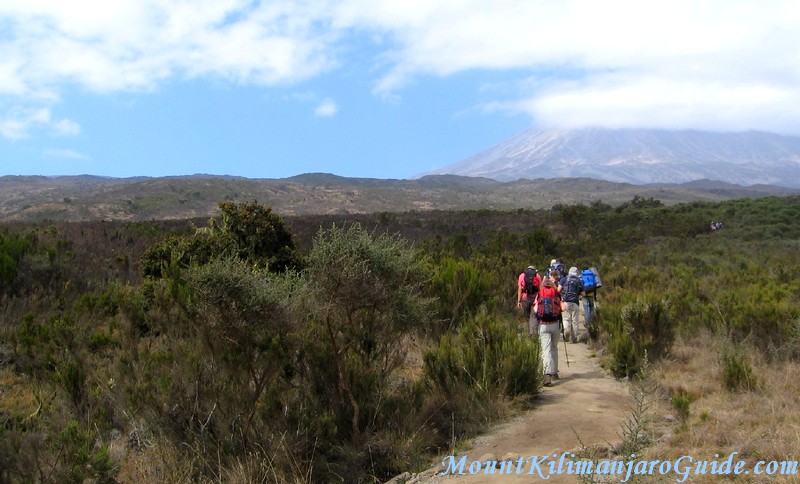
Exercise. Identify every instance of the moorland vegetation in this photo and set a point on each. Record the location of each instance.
(253, 347)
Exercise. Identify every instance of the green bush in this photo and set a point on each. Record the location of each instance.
(681, 400)
(489, 357)
(460, 288)
(471, 371)
(641, 329)
(737, 372)
(248, 231)
(12, 249)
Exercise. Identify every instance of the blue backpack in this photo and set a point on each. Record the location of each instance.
(589, 281)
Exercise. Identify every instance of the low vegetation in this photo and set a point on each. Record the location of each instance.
(255, 347)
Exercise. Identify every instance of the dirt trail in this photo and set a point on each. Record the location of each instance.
(585, 402)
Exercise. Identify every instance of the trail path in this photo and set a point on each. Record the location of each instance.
(585, 402)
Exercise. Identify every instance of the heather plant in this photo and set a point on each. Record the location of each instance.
(250, 361)
(634, 330)
(209, 371)
(474, 370)
(247, 231)
(12, 248)
(488, 356)
(737, 371)
(460, 287)
(361, 296)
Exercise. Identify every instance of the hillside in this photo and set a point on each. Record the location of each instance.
(85, 198)
(156, 352)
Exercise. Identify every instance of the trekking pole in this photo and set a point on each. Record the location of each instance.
(566, 355)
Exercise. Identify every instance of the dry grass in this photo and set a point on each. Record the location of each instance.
(762, 424)
(17, 399)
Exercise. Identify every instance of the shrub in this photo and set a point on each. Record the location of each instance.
(640, 328)
(489, 357)
(461, 288)
(248, 231)
(737, 372)
(471, 371)
(12, 249)
(361, 296)
(681, 400)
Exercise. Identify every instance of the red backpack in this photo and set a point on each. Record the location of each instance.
(549, 304)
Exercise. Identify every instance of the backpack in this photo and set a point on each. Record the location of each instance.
(530, 277)
(589, 281)
(549, 305)
(598, 282)
(572, 288)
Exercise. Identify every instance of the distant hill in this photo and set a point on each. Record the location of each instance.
(75, 198)
(639, 156)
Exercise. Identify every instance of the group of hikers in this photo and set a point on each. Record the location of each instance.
(551, 305)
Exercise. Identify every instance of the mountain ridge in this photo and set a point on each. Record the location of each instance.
(70, 198)
(638, 156)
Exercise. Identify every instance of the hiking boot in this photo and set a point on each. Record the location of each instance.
(548, 380)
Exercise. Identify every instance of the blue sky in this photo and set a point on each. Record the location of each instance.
(371, 88)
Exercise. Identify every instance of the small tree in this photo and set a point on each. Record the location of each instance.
(363, 297)
(259, 234)
(248, 231)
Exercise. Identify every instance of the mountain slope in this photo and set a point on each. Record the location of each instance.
(639, 156)
(28, 199)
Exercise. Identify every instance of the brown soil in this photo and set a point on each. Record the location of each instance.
(586, 405)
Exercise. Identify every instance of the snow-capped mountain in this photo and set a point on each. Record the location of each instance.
(638, 156)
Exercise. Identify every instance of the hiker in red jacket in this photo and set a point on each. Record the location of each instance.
(527, 286)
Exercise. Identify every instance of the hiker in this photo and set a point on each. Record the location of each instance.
(590, 285)
(527, 286)
(571, 288)
(558, 265)
(547, 308)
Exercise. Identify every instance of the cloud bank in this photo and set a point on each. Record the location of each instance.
(709, 64)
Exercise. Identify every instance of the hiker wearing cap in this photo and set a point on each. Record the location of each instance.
(527, 286)
(571, 288)
(547, 308)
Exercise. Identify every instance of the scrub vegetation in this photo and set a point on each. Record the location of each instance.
(253, 347)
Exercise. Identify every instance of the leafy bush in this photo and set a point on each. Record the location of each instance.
(248, 231)
(460, 288)
(249, 361)
(488, 356)
(470, 371)
(737, 372)
(361, 296)
(12, 248)
(640, 329)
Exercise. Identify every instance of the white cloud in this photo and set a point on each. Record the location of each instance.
(730, 63)
(134, 44)
(326, 109)
(66, 127)
(19, 121)
(65, 153)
